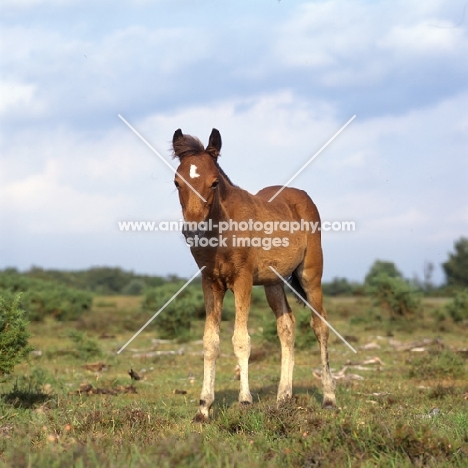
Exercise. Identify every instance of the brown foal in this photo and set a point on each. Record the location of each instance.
(237, 259)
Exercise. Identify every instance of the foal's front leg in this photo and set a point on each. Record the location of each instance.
(241, 340)
(214, 295)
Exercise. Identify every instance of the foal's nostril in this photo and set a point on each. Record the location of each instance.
(192, 233)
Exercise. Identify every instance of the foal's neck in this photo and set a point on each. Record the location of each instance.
(229, 199)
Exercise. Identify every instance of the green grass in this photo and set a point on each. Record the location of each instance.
(384, 420)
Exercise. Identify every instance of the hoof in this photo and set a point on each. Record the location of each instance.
(328, 404)
(245, 403)
(200, 418)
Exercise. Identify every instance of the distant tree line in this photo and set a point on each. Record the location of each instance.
(455, 269)
(110, 281)
(99, 280)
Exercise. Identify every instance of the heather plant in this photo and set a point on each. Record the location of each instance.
(13, 334)
(458, 307)
(395, 296)
(85, 347)
(41, 298)
(175, 320)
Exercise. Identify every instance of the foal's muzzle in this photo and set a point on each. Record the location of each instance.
(193, 233)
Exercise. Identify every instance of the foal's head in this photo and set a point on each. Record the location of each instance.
(199, 169)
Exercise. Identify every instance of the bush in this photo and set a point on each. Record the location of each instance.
(395, 296)
(456, 267)
(379, 268)
(340, 287)
(58, 302)
(13, 335)
(458, 308)
(85, 347)
(42, 298)
(106, 280)
(175, 320)
(134, 288)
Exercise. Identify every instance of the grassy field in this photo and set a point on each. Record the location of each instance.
(402, 399)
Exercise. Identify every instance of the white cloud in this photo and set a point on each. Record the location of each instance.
(76, 73)
(321, 34)
(41, 204)
(77, 182)
(19, 98)
(424, 39)
(347, 44)
(162, 49)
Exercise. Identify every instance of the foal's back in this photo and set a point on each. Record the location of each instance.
(292, 201)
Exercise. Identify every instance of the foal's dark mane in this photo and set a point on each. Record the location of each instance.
(225, 175)
(191, 146)
(187, 146)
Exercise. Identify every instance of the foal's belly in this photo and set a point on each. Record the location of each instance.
(256, 256)
(283, 259)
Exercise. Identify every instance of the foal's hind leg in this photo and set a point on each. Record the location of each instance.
(285, 325)
(322, 333)
(310, 278)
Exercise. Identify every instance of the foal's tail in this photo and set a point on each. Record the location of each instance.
(296, 285)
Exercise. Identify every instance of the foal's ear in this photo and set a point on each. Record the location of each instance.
(214, 144)
(177, 136)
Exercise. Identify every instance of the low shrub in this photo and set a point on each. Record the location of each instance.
(42, 298)
(395, 296)
(341, 287)
(134, 288)
(175, 320)
(85, 347)
(458, 307)
(13, 334)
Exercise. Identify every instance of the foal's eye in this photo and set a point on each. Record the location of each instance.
(177, 184)
(214, 184)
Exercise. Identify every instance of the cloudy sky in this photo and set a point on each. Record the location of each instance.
(277, 78)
